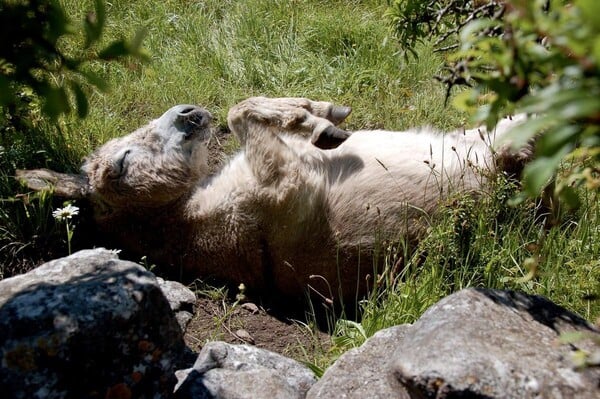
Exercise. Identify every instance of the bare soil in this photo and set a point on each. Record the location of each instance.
(248, 323)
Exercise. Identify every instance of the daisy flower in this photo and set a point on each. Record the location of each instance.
(65, 213)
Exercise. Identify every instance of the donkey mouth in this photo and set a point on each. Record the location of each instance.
(197, 119)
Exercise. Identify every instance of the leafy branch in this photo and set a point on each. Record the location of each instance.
(416, 21)
(31, 57)
(539, 57)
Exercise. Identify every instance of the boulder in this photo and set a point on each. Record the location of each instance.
(226, 371)
(494, 344)
(181, 300)
(364, 372)
(86, 326)
(476, 343)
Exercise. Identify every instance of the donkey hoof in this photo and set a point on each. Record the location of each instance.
(337, 114)
(331, 138)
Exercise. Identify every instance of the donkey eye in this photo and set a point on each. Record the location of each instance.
(122, 165)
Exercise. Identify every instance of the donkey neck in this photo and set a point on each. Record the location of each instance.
(159, 233)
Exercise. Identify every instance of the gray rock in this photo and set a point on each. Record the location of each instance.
(364, 372)
(88, 325)
(493, 344)
(181, 299)
(227, 371)
(477, 344)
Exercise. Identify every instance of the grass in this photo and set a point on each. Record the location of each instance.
(486, 244)
(216, 52)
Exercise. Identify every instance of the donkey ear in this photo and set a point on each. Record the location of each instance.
(63, 185)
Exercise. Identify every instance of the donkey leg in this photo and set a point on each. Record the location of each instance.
(302, 116)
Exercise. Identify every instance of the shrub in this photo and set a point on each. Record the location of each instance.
(540, 57)
(32, 62)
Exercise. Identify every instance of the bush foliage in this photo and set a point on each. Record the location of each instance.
(32, 61)
(42, 78)
(540, 57)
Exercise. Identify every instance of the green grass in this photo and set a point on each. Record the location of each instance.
(216, 52)
(486, 244)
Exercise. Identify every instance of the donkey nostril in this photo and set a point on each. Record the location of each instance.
(193, 121)
(187, 110)
(195, 118)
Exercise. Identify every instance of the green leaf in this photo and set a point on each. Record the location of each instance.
(517, 199)
(56, 101)
(90, 31)
(555, 140)
(100, 14)
(6, 93)
(539, 172)
(114, 50)
(136, 43)
(80, 100)
(483, 114)
(56, 24)
(550, 97)
(582, 107)
(569, 197)
(522, 133)
(94, 24)
(596, 50)
(135, 46)
(590, 10)
(465, 100)
(564, 103)
(95, 80)
(475, 26)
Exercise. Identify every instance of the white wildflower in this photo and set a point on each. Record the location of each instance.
(65, 213)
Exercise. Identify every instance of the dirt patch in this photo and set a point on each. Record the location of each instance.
(249, 323)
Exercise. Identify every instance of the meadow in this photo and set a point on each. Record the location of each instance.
(217, 52)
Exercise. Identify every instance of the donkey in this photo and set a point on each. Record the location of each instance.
(301, 206)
